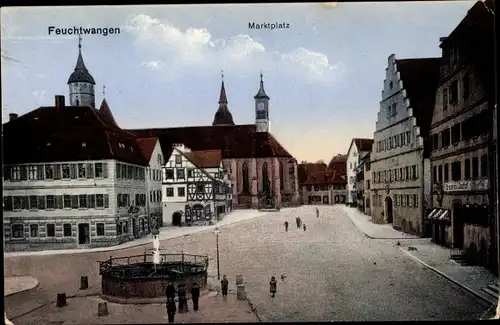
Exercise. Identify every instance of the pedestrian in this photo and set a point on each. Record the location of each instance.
(286, 225)
(305, 227)
(317, 212)
(300, 222)
(272, 286)
(297, 222)
(170, 291)
(195, 295)
(171, 310)
(224, 284)
(181, 293)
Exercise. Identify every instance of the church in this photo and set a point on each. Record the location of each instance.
(263, 173)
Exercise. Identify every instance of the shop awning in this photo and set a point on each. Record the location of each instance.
(433, 212)
(445, 215)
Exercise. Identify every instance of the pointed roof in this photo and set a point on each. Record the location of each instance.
(223, 116)
(80, 74)
(205, 158)
(262, 92)
(106, 114)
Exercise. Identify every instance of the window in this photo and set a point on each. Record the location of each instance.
(99, 229)
(190, 173)
(82, 171)
(408, 200)
(82, 201)
(73, 173)
(33, 205)
(415, 200)
(41, 202)
(403, 200)
(169, 173)
(456, 171)
(32, 173)
(446, 172)
(445, 99)
(475, 168)
(67, 230)
(57, 171)
(170, 191)
(49, 172)
(414, 172)
(99, 200)
(467, 169)
(454, 92)
(484, 165)
(51, 230)
(391, 85)
(178, 159)
(200, 188)
(445, 138)
(33, 230)
(65, 171)
(181, 191)
(17, 231)
(180, 173)
(455, 134)
(466, 86)
(408, 137)
(67, 201)
(51, 202)
(16, 173)
(18, 203)
(440, 173)
(24, 173)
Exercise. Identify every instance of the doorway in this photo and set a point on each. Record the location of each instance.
(83, 234)
(458, 225)
(176, 218)
(388, 208)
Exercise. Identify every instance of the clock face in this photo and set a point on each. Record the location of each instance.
(260, 106)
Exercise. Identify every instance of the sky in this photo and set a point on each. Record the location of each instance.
(324, 73)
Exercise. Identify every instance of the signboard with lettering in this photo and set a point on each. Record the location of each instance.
(464, 186)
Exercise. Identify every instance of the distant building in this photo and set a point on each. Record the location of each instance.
(363, 186)
(400, 157)
(196, 188)
(324, 187)
(303, 170)
(461, 137)
(357, 149)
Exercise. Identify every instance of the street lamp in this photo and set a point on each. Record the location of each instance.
(217, 242)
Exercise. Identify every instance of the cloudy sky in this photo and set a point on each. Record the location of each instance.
(324, 73)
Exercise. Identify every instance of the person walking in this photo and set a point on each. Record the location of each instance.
(317, 212)
(305, 227)
(286, 225)
(171, 310)
(224, 284)
(195, 295)
(181, 293)
(272, 286)
(170, 291)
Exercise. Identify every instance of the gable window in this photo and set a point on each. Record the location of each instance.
(181, 191)
(454, 92)
(169, 173)
(178, 159)
(33, 230)
(466, 86)
(51, 230)
(49, 172)
(170, 191)
(445, 99)
(65, 171)
(17, 231)
(180, 173)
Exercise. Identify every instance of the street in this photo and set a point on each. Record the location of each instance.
(333, 272)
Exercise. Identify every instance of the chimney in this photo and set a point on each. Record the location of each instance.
(60, 101)
(12, 116)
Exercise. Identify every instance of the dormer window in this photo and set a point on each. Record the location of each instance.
(84, 144)
(121, 145)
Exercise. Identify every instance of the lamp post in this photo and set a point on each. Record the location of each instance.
(217, 242)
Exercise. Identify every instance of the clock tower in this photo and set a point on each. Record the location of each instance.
(262, 109)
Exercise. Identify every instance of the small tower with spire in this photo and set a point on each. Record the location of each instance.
(81, 83)
(223, 116)
(262, 109)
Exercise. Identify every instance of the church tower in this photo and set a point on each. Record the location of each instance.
(80, 82)
(262, 109)
(223, 116)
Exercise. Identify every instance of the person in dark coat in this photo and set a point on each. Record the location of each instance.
(272, 286)
(224, 284)
(181, 293)
(171, 310)
(317, 212)
(286, 225)
(195, 295)
(170, 291)
(297, 220)
(305, 227)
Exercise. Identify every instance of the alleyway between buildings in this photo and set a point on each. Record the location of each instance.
(333, 273)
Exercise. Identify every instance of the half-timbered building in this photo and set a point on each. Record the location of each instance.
(195, 187)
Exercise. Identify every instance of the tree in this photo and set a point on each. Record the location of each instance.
(321, 161)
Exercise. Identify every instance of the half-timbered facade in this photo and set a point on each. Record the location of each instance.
(195, 187)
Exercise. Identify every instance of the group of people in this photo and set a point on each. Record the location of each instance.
(299, 223)
(182, 299)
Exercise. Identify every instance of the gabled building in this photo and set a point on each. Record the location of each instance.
(363, 186)
(462, 137)
(195, 187)
(303, 170)
(324, 188)
(356, 150)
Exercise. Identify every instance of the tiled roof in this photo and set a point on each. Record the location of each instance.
(338, 162)
(147, 146)
(324, 178)
(363, 144)
(106, 115)
(223, 116)
(238, 141)
(306, 168)
(205, 158)
(420, 80)
(68, 133)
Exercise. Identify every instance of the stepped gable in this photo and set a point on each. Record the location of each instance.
(238, 141)
(67, 133)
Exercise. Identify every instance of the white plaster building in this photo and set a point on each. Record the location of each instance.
(195, 187)
(151, 147)
(356, 150)
(400, 159)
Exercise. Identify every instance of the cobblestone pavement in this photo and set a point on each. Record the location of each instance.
(84, 311)
(333, 272)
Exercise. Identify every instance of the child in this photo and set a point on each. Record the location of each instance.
(224, 284)
(272, 286)
(171, 310)
(286, 225)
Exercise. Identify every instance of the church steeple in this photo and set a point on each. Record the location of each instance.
(262, 109)
(81, 83)
(223, 116)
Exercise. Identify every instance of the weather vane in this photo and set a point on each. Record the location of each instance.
(79, 41)
(104, 91)
(222, 74)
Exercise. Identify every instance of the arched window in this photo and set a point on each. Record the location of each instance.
(282, 178)
(265, 179)
(246, 185)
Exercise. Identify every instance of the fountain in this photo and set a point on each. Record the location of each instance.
(140, 278)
